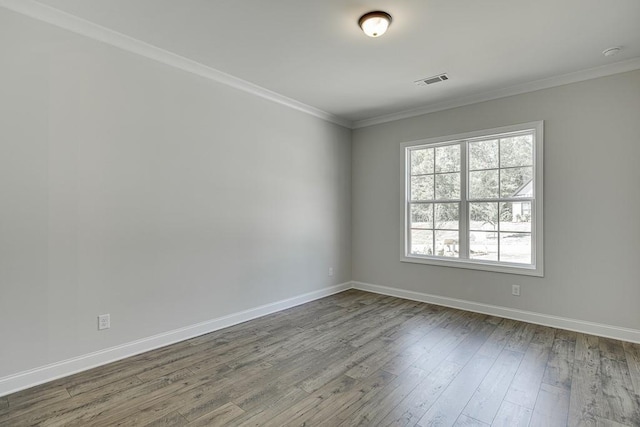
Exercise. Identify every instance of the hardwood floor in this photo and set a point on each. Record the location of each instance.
(354, 358)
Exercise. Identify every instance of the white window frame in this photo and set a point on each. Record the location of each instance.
(536, 268)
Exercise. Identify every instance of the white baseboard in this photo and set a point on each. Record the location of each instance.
(43, 374)
(599, 329)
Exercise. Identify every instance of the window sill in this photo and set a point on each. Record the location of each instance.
(523, 270)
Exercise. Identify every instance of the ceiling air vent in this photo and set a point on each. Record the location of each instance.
(432, 80)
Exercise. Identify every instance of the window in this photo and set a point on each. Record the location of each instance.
(475, 200)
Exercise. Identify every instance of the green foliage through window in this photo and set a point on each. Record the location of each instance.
(498, 175)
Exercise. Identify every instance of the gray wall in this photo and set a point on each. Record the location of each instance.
(132, 188)
(592, 203)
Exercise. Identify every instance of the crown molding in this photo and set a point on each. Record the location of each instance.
(578, 76)
(73, 23)
(81, 26)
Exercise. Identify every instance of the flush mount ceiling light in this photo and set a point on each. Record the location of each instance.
(375, 24)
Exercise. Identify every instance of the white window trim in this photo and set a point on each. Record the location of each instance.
(537, 234)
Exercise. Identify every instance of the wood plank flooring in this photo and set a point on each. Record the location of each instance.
(354, 358)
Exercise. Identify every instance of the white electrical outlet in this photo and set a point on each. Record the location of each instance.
(515, 290)
(104, 321)
(330, 271)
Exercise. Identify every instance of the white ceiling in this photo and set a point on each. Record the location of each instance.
(314, 52)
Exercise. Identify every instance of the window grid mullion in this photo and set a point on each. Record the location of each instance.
(433, 206)
(492, 169)
(499, 192)
(409, 237)
(407, 197)
(500, 200)
(433, 225)
(463, 220)
(417, 202)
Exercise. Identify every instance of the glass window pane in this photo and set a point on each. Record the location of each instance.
(483, 216)
(516, 151)
(483, 245)
(516, 182)
(447, 243)
(483, 184)
(447, 215)
(448, 186)
(448, 158)
(421, 161)
(515, 216)
(422, 187)
(483, 155)
(422, 215)
(515, 247)
(421, 242)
